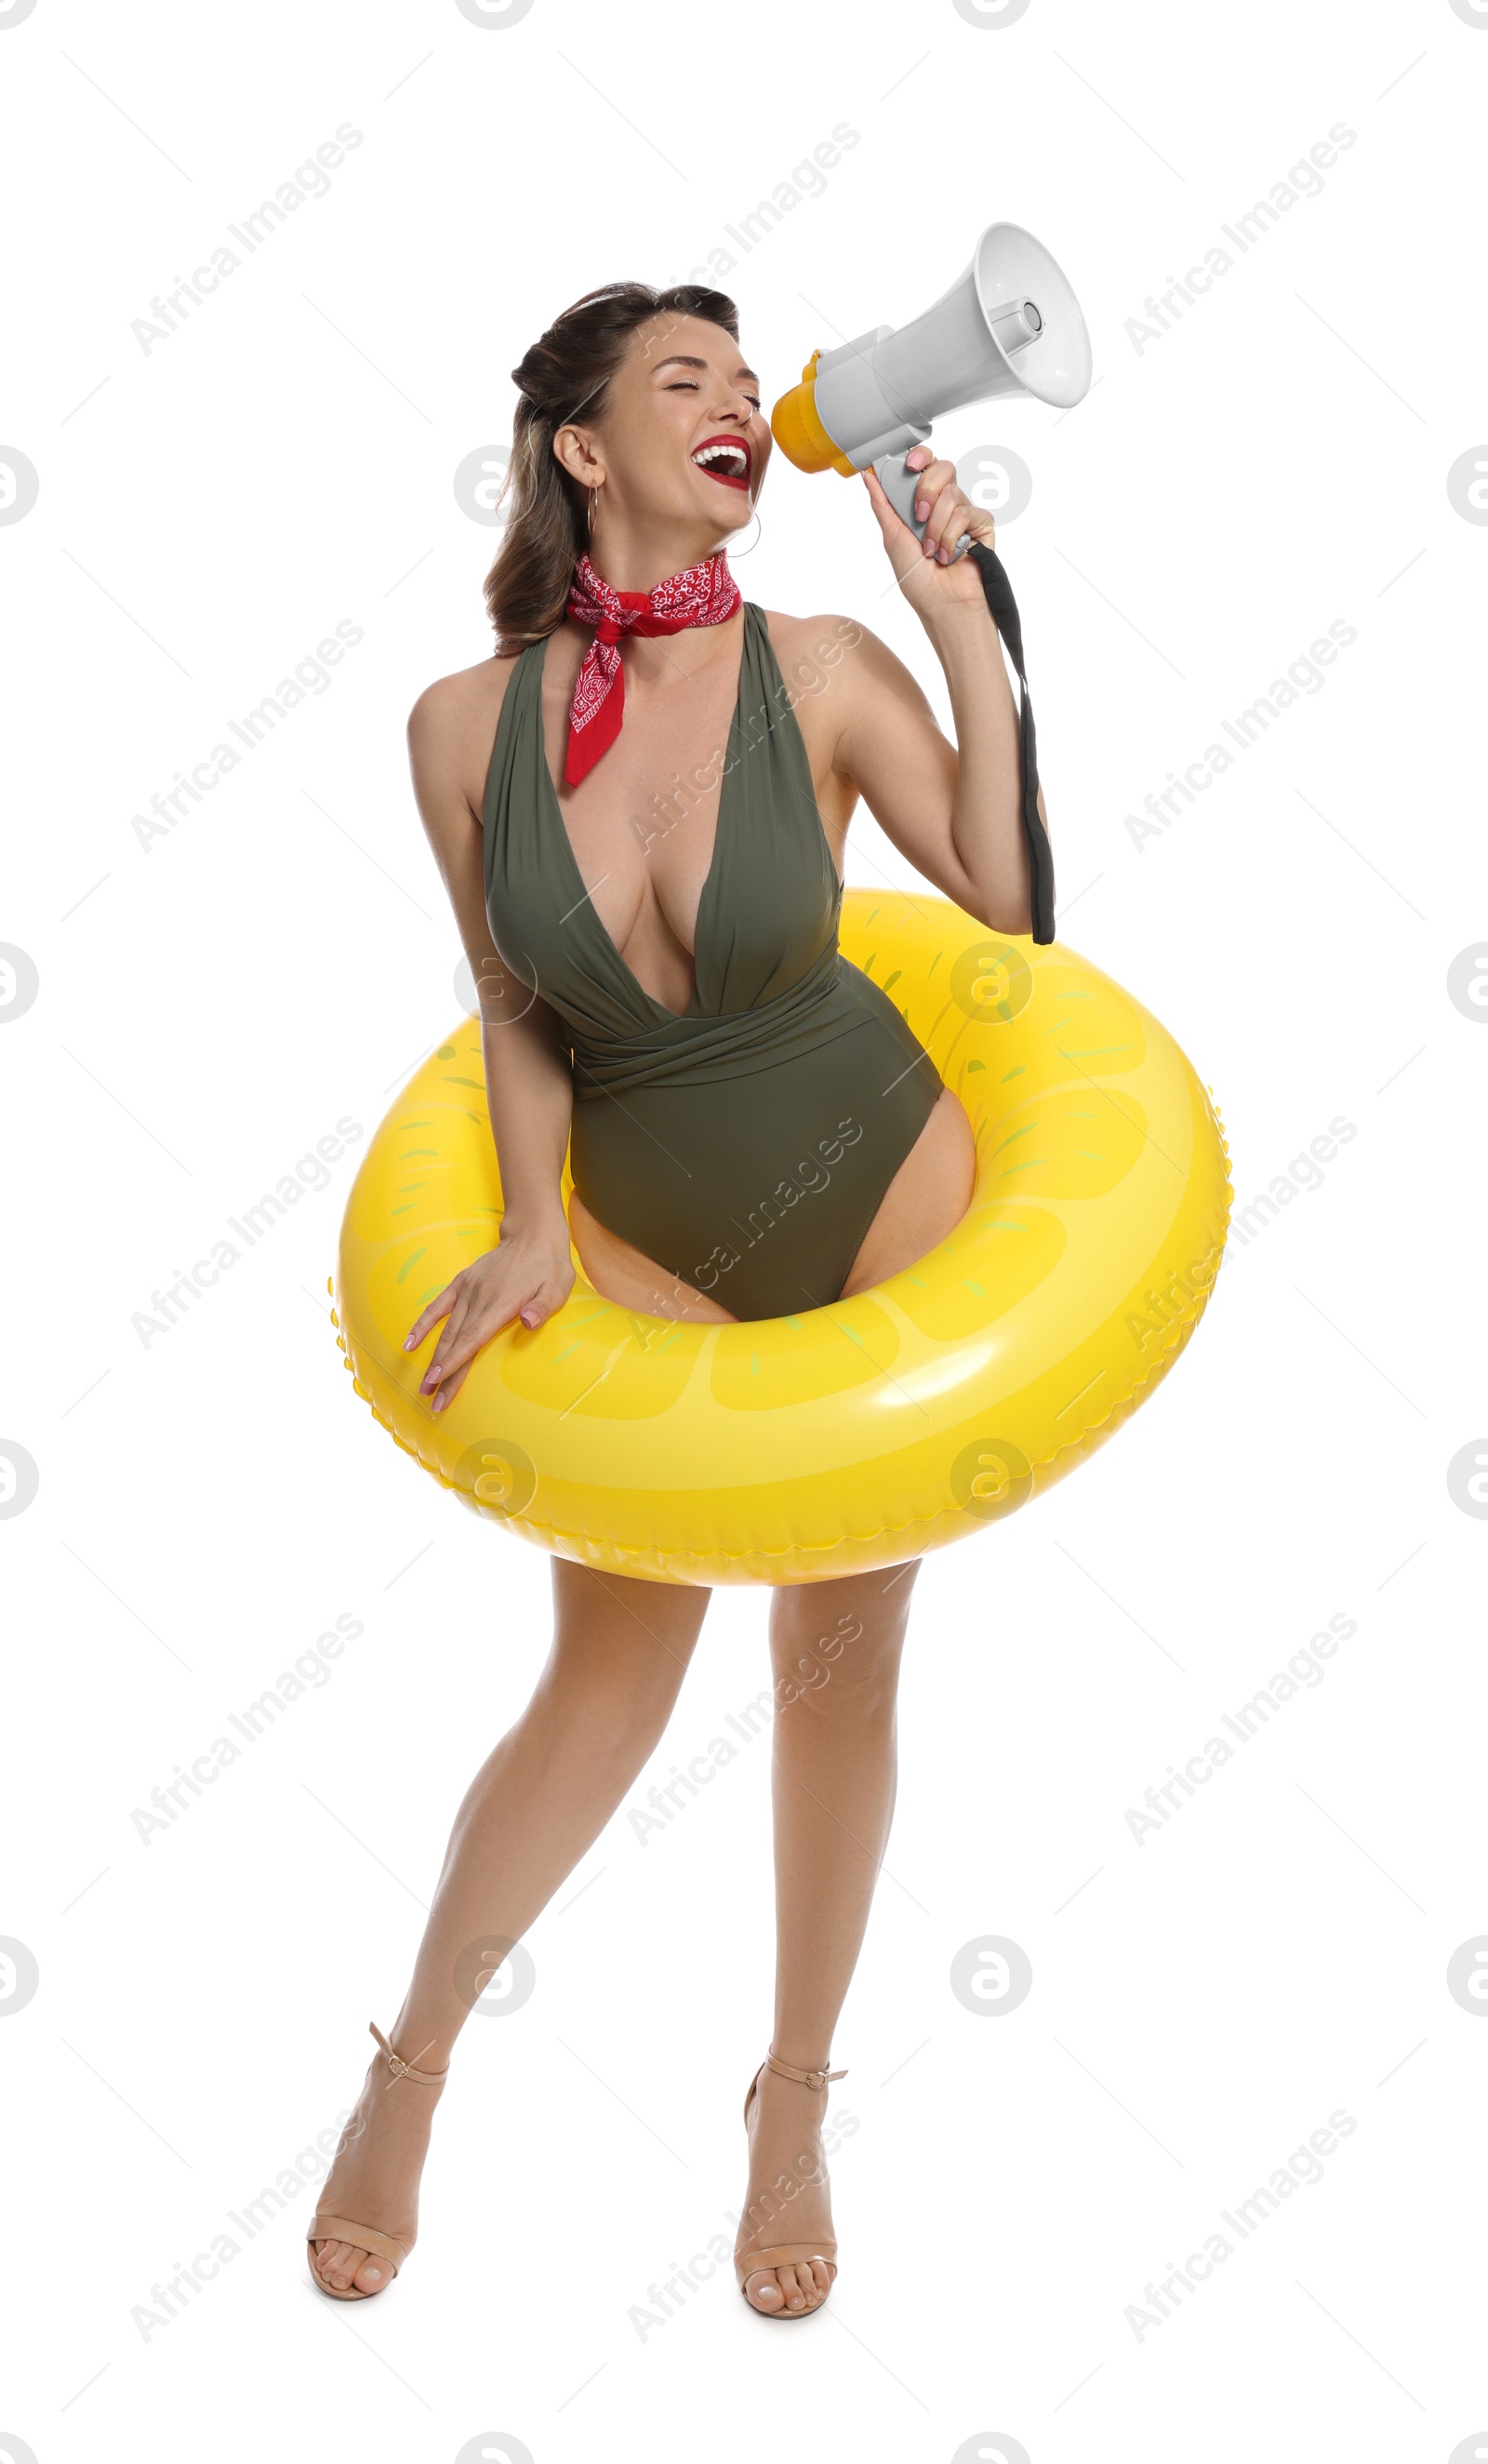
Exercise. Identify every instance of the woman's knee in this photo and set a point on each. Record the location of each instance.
(597, 1714)
(837, 1646)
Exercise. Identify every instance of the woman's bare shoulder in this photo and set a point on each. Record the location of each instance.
(819, 641)
(451, 706)
(452, 726)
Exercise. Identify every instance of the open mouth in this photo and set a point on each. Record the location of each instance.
(725, 459)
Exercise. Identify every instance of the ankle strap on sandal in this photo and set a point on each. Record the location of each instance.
(405, 2070)
(807, 2078)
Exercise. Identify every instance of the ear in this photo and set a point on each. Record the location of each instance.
(572, 449)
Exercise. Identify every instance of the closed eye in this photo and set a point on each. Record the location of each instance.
(689, 384)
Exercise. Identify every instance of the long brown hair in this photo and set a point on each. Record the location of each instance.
(564, 373)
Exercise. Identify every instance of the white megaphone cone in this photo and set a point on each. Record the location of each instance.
(1009, 326)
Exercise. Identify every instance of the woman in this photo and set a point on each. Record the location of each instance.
(641, 826)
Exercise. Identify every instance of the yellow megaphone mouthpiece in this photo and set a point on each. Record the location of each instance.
(797, 429)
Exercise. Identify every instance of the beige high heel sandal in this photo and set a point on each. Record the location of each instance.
(748, 2262)
(379, 2245)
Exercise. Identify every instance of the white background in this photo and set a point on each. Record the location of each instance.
(209, 510)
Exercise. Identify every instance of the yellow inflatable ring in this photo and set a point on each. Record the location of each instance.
(786, 1450)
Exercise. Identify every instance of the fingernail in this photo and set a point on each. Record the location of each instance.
(922, 509)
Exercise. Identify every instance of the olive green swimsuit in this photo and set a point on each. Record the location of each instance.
(746, 1144)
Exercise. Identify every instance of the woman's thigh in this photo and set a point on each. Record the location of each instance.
(925, 1200)
(624, 1274)
(837, 1643)
(621, 1641)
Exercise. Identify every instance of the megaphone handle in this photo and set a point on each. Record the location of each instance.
(1002, 607)
(898, 481)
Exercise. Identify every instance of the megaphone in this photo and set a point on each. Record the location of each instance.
(1009, 326)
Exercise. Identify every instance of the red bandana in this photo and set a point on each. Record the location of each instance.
(706, 594)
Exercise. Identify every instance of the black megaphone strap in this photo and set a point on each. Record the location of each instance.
(1002, 607)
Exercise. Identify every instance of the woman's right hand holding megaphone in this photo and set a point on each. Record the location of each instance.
(924, 570)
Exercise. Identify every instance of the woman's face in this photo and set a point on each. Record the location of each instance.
(683, 442)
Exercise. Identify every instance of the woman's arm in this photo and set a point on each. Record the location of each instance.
(529, 1079)
(952, 809)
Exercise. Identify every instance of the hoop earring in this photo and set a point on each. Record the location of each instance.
(594, 509)
(733, 552)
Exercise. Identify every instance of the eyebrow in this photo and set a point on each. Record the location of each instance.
(681, 360)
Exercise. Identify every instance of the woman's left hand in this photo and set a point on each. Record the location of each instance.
(923, 569)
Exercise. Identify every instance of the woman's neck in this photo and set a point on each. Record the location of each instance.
(656, 663)
(638, 562)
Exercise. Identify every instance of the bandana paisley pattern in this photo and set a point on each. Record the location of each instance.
(706, 594)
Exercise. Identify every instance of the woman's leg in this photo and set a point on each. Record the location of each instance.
(624, 1274)
(620, 1646)
(927, 1198)
(835, 1650)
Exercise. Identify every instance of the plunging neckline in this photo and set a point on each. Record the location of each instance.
(710, 879)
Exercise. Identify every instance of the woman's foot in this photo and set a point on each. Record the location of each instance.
(788, 2199)
(374, 2175)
